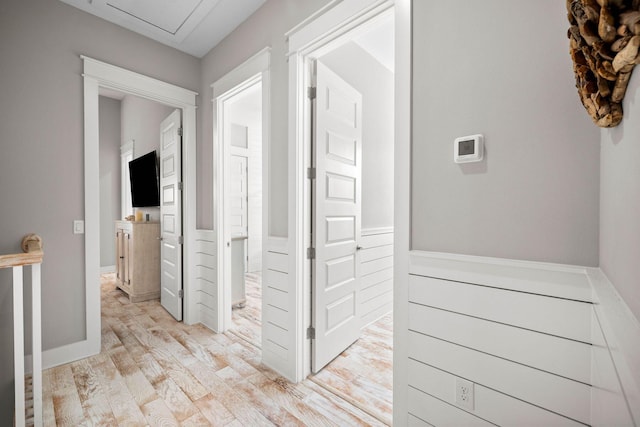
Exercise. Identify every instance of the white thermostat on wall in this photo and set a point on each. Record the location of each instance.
(468, 149)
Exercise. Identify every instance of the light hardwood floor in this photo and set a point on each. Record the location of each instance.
(155, 371)
(362, 374)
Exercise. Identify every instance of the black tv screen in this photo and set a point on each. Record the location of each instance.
(145, 188)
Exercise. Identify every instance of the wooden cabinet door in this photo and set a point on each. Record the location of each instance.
(126, 260)
(119, 256)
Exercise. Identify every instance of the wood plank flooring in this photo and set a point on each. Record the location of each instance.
(248, 319)
(155, 371)
(362, 374)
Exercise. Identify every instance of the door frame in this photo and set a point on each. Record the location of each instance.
(308, 41)
(96, 75)
(253, 70)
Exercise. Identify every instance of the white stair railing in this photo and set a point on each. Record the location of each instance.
(32, 247)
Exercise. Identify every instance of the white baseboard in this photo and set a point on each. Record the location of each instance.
(64, 354)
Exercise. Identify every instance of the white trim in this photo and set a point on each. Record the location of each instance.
(305, 43)
(127, 147)
(376, 230)
(126, 152)
(402, 213)
(557, 280)
(503, 262)
(621, 331)
(253, 70)
(99, 74)
(311, 18)
(243, 72)
(334, 23)
(123, 80)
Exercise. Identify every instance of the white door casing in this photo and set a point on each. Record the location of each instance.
(96, 75)
(254, 69)
(171, 214)
(126, 155)
(336, 220)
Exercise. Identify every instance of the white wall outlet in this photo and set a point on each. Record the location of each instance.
(464, 394)
(78, 226)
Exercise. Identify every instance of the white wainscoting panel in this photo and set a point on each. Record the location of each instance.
(278, 317)
(375, 297)
(521, 332)
(206, 279)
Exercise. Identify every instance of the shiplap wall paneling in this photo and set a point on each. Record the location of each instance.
(528, 347)
(206, 278)
(277, 308)
(556, 316)
(557, 394)
(376, 275)
(489, 404)
(528, 354)
(431, 411)
(413, 421)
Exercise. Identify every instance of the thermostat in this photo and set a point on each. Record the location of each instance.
(468, 149)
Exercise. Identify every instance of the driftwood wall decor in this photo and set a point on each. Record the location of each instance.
(604, 42)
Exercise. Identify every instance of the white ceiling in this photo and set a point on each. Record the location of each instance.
(192, 26)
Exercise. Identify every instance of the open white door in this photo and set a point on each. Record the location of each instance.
(337, 140)
(171, 214)
(238, 199)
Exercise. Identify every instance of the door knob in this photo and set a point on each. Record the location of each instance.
(358, 247)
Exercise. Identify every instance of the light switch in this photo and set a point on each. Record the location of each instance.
(78, 226)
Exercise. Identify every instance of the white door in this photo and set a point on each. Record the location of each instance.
(171, 214)
(336, 219)
(239, 196)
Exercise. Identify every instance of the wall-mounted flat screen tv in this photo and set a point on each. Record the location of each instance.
(145, 186)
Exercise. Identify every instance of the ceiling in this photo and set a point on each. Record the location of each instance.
(192, 26)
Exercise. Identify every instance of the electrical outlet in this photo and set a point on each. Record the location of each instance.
(464, 394)
(78, 226)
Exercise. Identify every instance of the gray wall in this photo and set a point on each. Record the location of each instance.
(141, 120)
(41, 166)
(620, 200)
(375, 83)
(265, 28)
(109, 177)
(535, 197)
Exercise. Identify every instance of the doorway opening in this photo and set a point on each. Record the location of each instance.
(241, 171)
(242, 127)
(140, 256)
(347, 129)
(97, 76)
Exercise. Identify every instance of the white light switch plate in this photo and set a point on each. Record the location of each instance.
(78, 226)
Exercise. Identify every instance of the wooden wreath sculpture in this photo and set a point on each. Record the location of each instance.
(605, 38)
